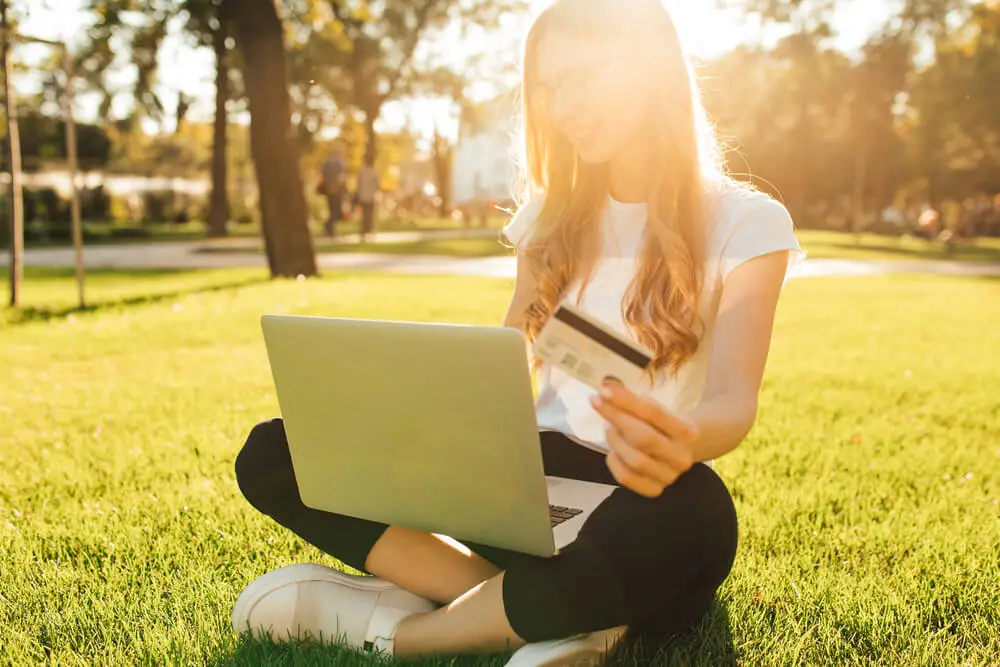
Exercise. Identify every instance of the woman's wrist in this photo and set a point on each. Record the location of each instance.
(722, 422)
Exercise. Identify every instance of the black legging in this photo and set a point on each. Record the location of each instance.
(651, 564)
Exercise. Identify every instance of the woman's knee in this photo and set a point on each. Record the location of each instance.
(264, 469)
(658, 548)
(712, 503)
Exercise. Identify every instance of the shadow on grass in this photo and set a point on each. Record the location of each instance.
(44, 314)
(710, 643)
(264, 652)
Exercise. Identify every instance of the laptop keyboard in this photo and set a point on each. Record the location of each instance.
(558, 514)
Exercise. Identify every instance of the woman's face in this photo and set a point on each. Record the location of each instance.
(594, 92)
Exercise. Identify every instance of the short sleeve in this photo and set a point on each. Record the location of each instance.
(759, 226)
(518, 230)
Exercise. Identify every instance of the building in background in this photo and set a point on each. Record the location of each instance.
(484, 174)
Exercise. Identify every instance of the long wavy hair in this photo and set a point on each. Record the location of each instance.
(661, 305)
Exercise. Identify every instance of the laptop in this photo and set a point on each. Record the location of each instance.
(425, 426)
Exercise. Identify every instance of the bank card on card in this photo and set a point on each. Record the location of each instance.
(590, 350)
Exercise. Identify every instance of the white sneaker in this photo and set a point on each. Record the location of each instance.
(328, 605)
(579, 651)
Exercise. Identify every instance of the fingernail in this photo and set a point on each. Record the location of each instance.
(605, 392)
(596, 401)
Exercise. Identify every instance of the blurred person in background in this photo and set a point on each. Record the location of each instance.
(368, 187)
(333, 186)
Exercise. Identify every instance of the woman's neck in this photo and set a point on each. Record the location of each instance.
(629, 174)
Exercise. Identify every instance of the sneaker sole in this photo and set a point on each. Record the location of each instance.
(587, 658)
(291, 575)
(593, 652)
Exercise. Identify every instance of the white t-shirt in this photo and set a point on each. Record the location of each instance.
(744, 224)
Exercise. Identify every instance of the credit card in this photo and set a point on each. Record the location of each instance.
(589, 350)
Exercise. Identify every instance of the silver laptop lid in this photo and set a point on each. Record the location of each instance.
(426, 426)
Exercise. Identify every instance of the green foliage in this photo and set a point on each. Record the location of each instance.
(955, 104)
(839, 138)
(352, 55)
(43, 141)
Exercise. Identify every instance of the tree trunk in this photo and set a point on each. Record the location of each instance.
(13, 146)
(860, 180)
(442, 167)
(372, 150)
(218, 213)
(284, 218)
(799, 201)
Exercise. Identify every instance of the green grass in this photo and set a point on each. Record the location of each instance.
(839, 245)
(51, 293)
(868, 491)
(470, 248)
(480, 246)
(105, 233)
(820, 244)
(121, 233)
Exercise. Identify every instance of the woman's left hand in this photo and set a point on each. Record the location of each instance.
(650, 446)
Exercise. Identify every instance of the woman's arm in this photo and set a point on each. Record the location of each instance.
(739, 354)
(524, 294)
(652, 446)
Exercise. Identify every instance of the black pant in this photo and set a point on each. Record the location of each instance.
(336, 204)
(651, 564)
(367, 218)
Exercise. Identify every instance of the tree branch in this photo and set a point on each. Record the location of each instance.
(408, 50)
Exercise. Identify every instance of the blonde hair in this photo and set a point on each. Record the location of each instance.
(661, 305)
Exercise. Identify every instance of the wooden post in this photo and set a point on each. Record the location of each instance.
(14, 160)
(14, 155)
(71, 155)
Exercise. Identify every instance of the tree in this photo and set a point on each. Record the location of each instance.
(870, 105)
(442, 155)
(377, 50)
(781, 111)
(205, 22)
(150, 24)
(956, 127)
(13, 147)
(803, 15)
(145, 33)
(875, 84)
(284, 221)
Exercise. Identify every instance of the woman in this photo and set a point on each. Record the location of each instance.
(629, 215)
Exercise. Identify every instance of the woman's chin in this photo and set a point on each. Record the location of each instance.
(592, 155)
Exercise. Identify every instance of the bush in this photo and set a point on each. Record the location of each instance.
(46, 206)
(130, 233)
(244, 212)
(157, 206)
(168, 206)
(95, 204)
(122, 209)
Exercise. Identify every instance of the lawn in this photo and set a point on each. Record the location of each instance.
(868, 491)
(468, 247)
(478, 246)
(839, 245)
(820, 244)
(120, 233)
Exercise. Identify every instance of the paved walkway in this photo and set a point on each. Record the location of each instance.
(411, 236)
(188, 255)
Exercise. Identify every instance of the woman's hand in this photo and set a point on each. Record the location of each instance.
(650, 446)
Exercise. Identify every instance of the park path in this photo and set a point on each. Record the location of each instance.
(206, 255)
